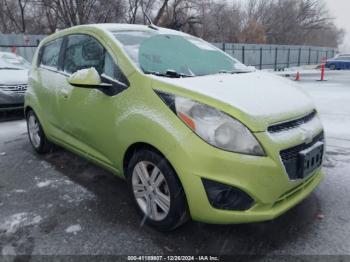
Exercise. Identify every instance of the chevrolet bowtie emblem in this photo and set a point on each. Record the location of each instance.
(307, 135)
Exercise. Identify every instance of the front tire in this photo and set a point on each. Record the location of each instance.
(332, 67)
(156, 190)
(36, 134)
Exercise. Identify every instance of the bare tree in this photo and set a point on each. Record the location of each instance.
(14, 13)
(257, 21)
(161, 12)
(115, 13)
(180, 15)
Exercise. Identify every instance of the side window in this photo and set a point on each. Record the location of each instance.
(109, 66)
(50, 55)
(82, 52)
(112, 70)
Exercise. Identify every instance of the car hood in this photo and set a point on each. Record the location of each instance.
(13, 77)
(258, 98)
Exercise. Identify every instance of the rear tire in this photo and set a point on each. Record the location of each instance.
(156, 190)
(36, 134)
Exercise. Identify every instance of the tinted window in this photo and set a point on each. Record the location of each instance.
(342, 58)
(82, 52)
(110, 67)
(157, 53)
(112, 70)
(131, 42)
(51, 53)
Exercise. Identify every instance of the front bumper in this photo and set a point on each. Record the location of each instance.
(260, 211)
(262, 178)
(10, 100)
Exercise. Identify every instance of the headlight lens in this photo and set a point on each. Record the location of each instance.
(216, 127)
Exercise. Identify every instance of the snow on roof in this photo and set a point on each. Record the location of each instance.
(134, 27)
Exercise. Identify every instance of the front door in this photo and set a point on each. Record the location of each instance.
(88, 115)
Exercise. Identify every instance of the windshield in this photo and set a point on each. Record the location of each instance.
(12, 61)
(184, 55)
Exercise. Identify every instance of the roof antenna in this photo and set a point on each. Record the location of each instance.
(151, 25)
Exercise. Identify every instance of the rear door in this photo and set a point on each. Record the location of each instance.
(45, 81)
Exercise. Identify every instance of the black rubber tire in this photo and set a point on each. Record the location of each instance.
(332, 67)
(178, 213)
(45, 145)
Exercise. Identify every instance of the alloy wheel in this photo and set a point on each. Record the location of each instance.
(151, 190)
(34, 129)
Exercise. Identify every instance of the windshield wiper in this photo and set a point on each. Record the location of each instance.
(168, 73)
(234, 72)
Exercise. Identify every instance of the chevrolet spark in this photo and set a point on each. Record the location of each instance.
(195, 133)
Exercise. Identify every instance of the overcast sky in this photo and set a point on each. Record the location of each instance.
(340, 10)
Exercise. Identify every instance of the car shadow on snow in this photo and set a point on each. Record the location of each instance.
(113, 205)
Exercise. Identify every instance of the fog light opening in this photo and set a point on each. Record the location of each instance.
(225, 197)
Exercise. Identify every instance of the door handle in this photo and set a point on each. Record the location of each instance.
(64, 94)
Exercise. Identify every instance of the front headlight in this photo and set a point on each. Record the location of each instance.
(214, 126)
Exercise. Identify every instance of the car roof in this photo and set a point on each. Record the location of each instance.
(135, 27)
(342, 55)
(112, 28)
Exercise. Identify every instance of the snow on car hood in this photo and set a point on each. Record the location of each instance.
(13, 77)
(262, 98)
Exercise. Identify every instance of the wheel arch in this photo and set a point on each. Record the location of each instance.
(333, 66)
(27, 109)
(142, 145)
(133, 148)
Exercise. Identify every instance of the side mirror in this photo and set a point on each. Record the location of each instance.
(87, 78)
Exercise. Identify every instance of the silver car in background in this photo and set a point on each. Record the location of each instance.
(13, 81)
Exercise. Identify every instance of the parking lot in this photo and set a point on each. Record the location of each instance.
(61, 204)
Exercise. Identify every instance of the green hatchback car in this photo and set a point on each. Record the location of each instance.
(195, 133)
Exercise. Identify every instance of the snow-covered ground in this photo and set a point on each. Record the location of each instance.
(332, 99)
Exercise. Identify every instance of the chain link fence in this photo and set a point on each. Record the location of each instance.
(275, 57)
(23, 45)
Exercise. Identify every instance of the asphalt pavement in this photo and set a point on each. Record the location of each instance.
(60, 204)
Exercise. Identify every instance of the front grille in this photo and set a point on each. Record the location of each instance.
(291, 124)
(14, 88)
(290, 156)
